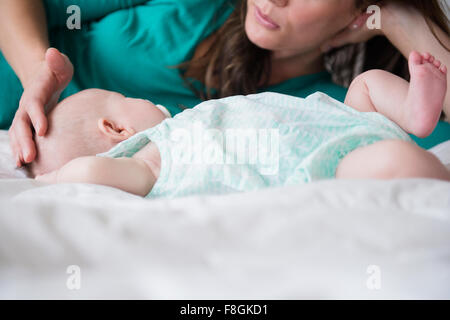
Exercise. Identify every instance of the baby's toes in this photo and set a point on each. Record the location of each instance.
(415, 58)
(427, 56)
(443, 69)
(437, 64)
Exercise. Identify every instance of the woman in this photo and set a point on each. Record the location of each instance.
(176, 52)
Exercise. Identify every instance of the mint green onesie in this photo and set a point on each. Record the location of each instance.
(249, 143)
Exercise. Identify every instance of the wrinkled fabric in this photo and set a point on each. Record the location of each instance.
(249, 143)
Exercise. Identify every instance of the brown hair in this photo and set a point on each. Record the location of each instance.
(233, 65)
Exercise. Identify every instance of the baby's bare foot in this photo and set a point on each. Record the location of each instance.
(427, 90)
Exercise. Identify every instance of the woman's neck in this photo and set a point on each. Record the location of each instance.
(286, 65)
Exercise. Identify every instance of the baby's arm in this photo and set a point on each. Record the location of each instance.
(128, 174)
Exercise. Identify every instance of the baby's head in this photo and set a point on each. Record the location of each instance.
(91, 122)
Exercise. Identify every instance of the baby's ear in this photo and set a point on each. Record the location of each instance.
(113, 131)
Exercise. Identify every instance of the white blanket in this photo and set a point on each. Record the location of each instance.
(333, 239)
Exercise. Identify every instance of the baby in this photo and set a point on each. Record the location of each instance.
(247, 143)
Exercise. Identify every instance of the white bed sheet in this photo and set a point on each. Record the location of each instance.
(313, 241)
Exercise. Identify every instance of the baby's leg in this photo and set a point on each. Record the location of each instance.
(391, 159)
(415, 106)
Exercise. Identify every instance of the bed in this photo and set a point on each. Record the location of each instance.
(327, 240)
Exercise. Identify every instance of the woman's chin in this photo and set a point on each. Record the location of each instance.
(261, 38)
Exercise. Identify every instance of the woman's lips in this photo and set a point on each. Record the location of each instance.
(265, 20)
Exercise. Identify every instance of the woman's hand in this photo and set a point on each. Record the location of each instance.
(356, 32)
(41, 93)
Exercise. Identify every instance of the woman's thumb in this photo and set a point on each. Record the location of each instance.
(59, 64)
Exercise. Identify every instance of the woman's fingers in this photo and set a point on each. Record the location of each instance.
(30, 112)
(14, 144)
(17, 152)
(42, 90)
(24, 139)
(37, 116)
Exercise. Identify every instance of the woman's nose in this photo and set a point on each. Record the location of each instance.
(280, 3)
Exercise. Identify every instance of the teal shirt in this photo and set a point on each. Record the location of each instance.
(134, 46)
(135, 50)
